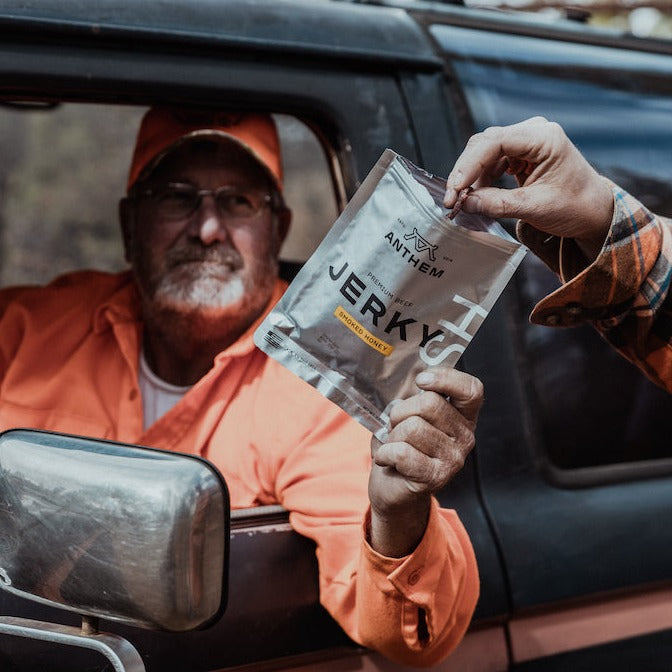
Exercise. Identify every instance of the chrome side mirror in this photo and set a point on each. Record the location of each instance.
(131, 534)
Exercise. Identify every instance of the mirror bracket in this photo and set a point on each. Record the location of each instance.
(119, 652)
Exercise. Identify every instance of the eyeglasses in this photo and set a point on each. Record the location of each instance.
(179, 201)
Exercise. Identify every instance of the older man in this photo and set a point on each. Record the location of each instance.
(163, 356)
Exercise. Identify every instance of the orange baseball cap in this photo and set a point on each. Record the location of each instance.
(164, 129)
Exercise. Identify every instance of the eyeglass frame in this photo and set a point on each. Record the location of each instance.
(274, 200)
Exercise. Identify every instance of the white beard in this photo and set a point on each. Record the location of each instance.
(202, 301)
(195, 287)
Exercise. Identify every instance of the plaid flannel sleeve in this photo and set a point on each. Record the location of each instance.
(624, 293)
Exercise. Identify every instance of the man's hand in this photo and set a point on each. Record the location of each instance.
(558, 190)
(432, 434)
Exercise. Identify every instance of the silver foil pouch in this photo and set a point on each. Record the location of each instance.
(396, 286)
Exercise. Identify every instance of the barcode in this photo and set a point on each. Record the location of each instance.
(273, 339)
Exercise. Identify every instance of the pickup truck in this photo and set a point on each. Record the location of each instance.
(568, 492)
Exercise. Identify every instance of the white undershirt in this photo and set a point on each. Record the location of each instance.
(158, 396)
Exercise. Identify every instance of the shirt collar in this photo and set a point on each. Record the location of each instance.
(123, 304)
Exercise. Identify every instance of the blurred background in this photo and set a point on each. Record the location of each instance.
(644, 18)
(64, 169)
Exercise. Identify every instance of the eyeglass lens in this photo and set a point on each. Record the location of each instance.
(176, 201)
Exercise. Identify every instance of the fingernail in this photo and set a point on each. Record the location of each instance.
(450, 197)
(424, 378)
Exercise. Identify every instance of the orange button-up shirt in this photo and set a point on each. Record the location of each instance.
(69, 357)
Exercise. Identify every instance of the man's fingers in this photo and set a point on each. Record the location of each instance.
(528, 141)
(426, 473)
(426, 419)
(517, 203)
(464, 391)
(432, 434)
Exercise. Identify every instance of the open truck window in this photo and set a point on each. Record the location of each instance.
(64, 170)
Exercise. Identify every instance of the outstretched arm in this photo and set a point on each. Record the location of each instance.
(614, 256)
(432, 434)
(413, 607)
(558, 191)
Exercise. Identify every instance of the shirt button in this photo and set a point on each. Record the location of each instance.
(414, 577)
(133, 395)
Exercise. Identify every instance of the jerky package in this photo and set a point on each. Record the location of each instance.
(394, 287)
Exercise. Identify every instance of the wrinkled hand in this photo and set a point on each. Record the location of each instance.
(558, 190)
(431, 435)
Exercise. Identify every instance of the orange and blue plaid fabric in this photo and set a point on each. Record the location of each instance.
(623, 293)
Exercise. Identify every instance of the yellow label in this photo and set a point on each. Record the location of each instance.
(356, 328)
